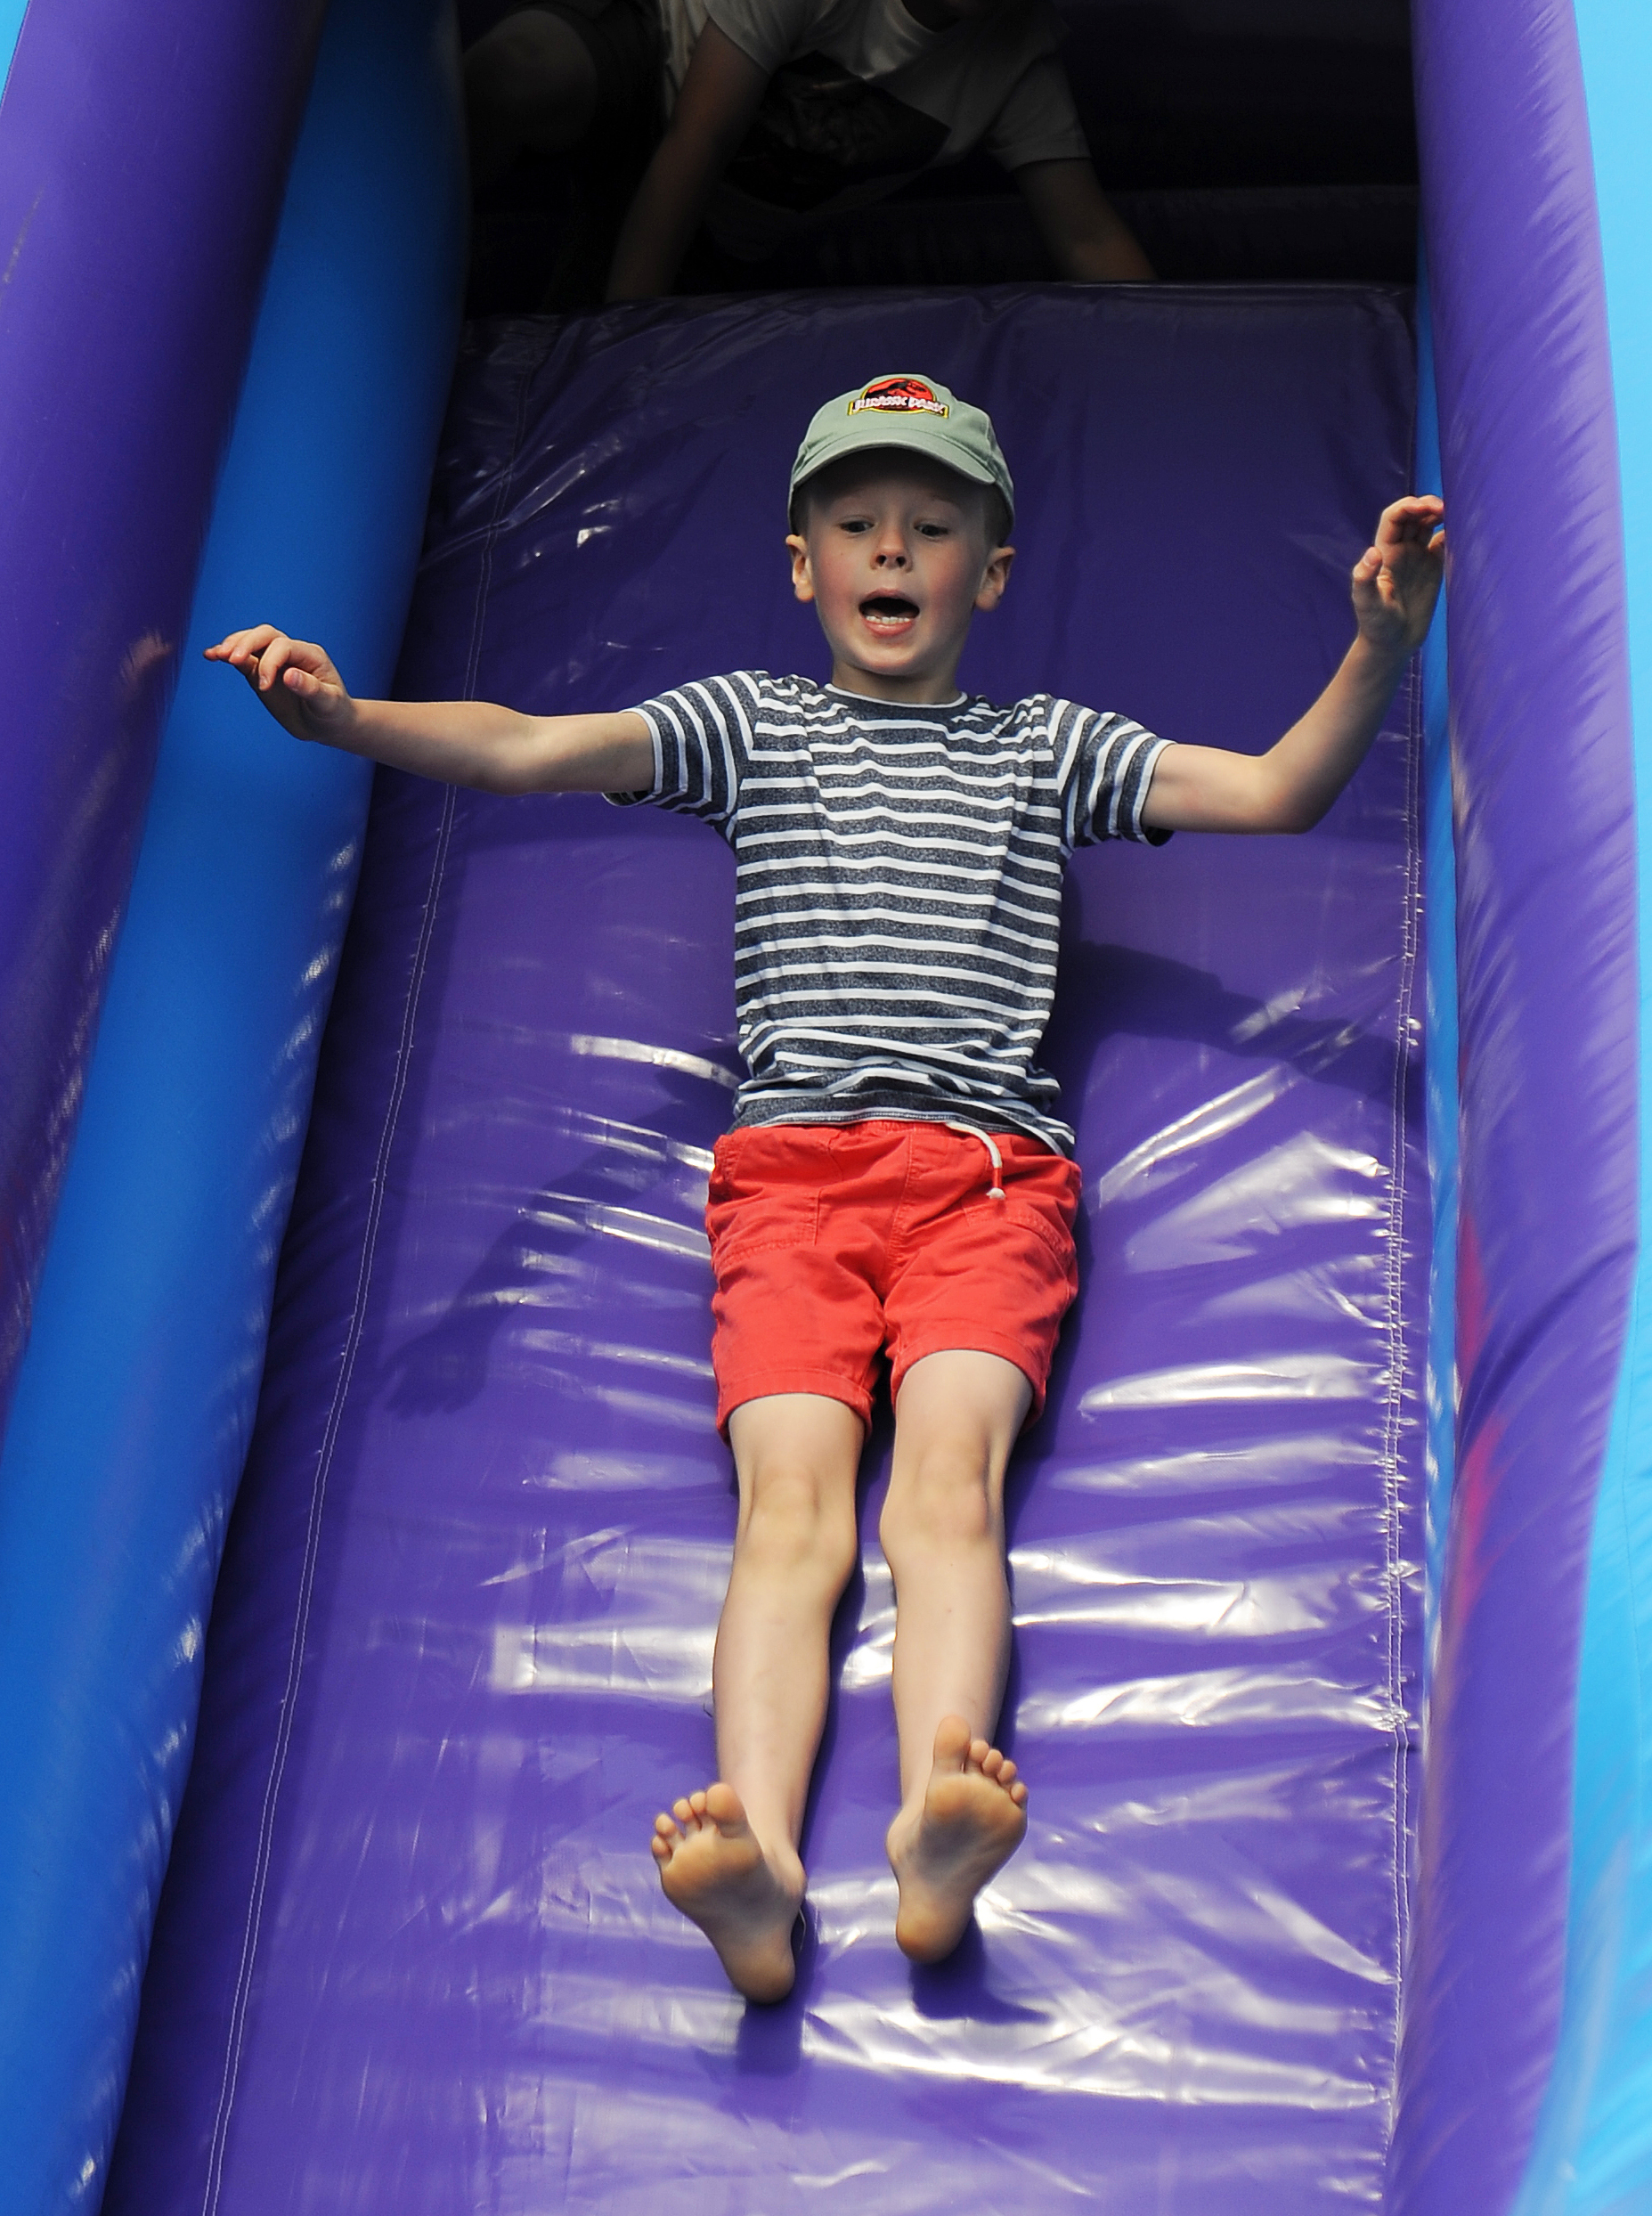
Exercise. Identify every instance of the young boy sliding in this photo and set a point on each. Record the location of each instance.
(897, 1177)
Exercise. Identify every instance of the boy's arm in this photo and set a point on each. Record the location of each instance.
(462, 742)
(1395, 584)
(1089, 240)
(722, 92)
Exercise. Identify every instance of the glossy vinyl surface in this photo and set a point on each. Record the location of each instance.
(1441, 1044)
(1593, 2154)
(1549, 1023)
(142, 155)
(412, 1952)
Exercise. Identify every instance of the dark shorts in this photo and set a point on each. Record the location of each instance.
(835, 1244)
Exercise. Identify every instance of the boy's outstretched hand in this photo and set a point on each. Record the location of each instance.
(1397, 582)
(294, 680)
(473, 743)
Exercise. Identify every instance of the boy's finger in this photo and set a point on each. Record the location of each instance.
(239, 643)
(270, 660)
(1402, 530)
(1411, 518)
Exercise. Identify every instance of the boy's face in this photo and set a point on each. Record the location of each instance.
(894, 553)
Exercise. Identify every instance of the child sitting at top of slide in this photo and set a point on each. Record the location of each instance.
(898, 1176)
(784, 111)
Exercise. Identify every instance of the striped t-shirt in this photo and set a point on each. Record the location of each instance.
(899, 885)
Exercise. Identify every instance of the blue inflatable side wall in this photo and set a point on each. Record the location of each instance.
(138, 1388)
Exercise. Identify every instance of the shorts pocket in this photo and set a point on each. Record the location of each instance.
(1058, 1185)
(764, 1190)
(1053, 1236)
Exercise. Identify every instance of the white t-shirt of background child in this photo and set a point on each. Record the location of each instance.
(862, 98)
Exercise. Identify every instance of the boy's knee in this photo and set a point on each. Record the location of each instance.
(797, 1519)
(941, 1498)
(531, 63)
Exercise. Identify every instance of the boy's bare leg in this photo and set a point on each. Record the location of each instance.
(962, 1811)
(530, 82)
(728, 1855)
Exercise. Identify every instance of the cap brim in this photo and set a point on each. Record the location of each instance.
(902, 433)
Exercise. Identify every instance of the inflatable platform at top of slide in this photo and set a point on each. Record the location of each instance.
(1331, 1555)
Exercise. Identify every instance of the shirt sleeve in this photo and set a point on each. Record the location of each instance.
(1106, 764)
(701, 746)
(1038, 121)
(770, 31)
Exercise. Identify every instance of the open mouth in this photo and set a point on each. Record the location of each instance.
(889, 614)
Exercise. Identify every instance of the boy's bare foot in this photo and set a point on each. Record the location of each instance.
(972, 1820)
(715, 1871)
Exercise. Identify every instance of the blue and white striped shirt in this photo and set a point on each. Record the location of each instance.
(899, 885)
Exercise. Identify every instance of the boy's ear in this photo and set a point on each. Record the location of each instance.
(995, 577)
(803, 584)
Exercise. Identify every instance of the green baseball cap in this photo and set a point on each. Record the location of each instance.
(912, 413)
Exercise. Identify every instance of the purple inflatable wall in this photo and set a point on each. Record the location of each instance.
(124, 132)
(412, 1952)
(1547, 973)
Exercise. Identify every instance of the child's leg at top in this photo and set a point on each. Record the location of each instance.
(728, 1854)
(962, 1811)
(530, 82)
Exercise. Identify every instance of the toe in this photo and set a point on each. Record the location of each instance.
(683, 1811)
(660, 1849)
(724, 1807)
(978, 1752)
(1007, 1774)
(1018, 1794)
(992, 1762)
(953, 1746)
(665, 1827)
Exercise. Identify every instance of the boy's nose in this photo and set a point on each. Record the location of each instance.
(890, 554)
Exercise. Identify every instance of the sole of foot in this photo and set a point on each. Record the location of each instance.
(713, 1869)
(972, 1820)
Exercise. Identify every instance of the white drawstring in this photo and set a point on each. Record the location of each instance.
(995, 1191)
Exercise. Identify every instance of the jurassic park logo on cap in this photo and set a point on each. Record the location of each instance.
(902, 411)
(898, 395)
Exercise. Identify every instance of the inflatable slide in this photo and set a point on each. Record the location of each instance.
(362, 1525)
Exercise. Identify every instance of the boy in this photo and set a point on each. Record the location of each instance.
(897, 1176)
(784, 110)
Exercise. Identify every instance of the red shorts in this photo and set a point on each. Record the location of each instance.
(832, 1242)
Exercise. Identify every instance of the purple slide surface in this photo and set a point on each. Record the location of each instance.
(412, 1953)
